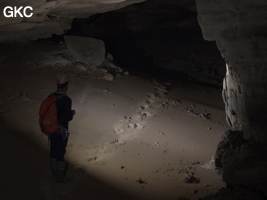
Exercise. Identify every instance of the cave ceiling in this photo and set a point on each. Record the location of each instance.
(55, 17)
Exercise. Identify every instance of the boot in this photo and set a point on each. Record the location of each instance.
(61, 172)
(53, 166)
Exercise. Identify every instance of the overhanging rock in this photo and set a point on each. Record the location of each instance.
(57, 13)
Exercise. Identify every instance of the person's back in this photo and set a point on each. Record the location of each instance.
(59, 139)
(64, 111)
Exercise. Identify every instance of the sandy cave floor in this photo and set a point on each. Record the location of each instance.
(132, 138)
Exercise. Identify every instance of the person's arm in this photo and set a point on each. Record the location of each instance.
(69, 112)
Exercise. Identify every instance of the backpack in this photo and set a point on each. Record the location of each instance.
(48, 115)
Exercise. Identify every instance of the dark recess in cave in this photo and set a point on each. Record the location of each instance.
(137, 34)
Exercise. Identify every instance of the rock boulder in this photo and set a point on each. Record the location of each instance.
(86, 50)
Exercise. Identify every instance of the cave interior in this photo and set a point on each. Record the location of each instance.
(216, 44)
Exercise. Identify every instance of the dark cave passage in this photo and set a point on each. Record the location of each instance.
(166, 43)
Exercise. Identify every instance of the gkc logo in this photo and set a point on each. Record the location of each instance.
(21, 11)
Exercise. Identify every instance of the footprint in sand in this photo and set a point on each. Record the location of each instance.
(128, 127)
(137, 120)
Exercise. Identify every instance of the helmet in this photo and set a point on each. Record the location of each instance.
(62, 78)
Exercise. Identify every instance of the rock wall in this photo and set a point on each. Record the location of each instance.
(239, 29)
(51, 16)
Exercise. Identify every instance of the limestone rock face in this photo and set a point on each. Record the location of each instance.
(51, 16)
(243, 162)
(239, 29)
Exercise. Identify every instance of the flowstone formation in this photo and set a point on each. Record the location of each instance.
(239, 29)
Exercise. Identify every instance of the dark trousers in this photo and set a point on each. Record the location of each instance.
(58, 144)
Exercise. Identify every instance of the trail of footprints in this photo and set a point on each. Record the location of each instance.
(128, 127)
